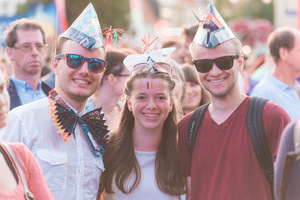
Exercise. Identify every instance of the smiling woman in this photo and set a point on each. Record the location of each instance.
(141, 160)
(144, 147)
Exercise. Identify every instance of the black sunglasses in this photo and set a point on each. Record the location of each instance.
(75, 61)
(223, 63)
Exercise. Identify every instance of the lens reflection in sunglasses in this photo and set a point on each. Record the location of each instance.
(75, 61)
(223, 63)
(158, 67)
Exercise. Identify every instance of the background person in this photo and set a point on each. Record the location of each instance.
(26, 47)
(287, 145)
(111, 88)
(11, 186)
(282, 86)
(195, 93)
(179, 90)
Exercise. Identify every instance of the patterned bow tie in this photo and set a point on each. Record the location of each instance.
(65, 120)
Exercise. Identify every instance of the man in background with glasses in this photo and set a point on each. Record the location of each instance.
(67, 141)
(222, 163)
(26, 47)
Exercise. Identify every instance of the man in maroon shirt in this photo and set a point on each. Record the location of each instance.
(223, 165)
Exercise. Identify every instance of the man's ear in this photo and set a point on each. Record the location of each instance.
(241, 63)
(8, 51)
(54, 64)
(283, 53)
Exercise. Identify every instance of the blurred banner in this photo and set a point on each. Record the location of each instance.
(286, 13)
(44, 13)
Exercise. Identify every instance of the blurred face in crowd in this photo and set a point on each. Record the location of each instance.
(179, 84)
(76, 85)
(28, 54)
(293, 55)
(120, 81)
(193, 91)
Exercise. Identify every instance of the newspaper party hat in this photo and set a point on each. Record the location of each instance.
(86, 29)
(147, 56)
(212, 29)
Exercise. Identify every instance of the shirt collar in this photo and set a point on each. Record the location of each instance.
(23, 84)
(281, 85)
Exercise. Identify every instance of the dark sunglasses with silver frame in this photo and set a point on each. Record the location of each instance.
(223, 63)
(75, 61)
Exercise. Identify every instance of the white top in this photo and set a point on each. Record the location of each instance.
(147, 188)
(71, 169)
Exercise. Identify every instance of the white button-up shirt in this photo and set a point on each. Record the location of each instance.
(71, 169)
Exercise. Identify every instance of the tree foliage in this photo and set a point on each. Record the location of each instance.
(113, 13)
(251, 9)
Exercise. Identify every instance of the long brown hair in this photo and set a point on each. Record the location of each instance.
(120, 161)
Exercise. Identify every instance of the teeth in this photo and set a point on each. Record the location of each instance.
(150, 115)
(81, 81)
(217, 81)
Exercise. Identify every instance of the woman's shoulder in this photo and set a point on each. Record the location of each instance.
(23, 154)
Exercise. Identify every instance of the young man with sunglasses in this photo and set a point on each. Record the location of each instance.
(223, 163)
(27, 48)
(68, 142)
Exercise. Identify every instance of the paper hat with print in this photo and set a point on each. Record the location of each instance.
(86, 29)
(212, 29)
(156, 56)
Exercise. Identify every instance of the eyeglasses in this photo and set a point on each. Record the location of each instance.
(26, 48)
(223, 63)
(75, 61)
(152, 67)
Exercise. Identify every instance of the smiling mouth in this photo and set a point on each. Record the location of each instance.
(151, 115)
(217, 81)
(81, 82)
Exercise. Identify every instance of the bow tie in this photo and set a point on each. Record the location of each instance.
(65, 120)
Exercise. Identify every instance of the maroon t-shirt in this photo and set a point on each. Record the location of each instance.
(224, 164)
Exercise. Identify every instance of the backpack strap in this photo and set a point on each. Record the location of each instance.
(258, 139)
(194, 124)
(28, 194)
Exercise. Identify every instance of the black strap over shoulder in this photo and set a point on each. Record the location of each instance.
(194, 124)
(258, 139)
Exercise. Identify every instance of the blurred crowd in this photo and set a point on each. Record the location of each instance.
(31, 62)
